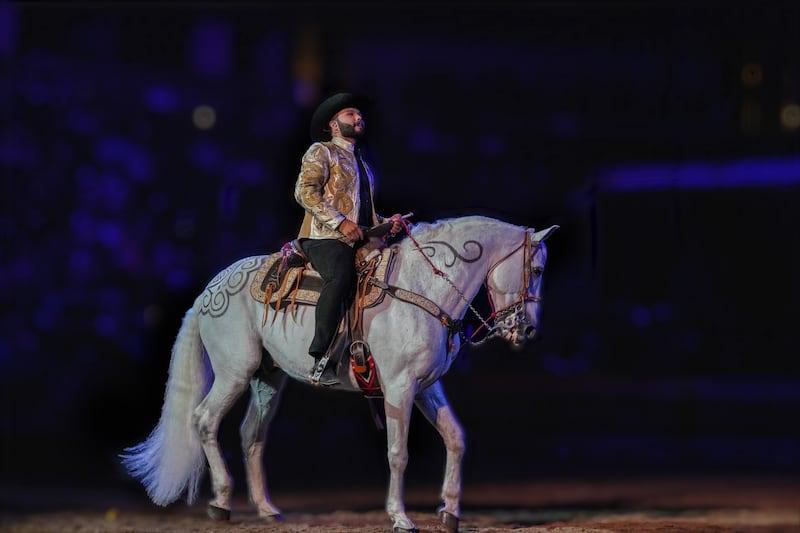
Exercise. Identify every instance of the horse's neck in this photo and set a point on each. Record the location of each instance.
(463, 249)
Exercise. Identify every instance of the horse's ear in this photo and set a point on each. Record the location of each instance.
(539, 236)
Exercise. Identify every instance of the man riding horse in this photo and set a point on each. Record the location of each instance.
(335, 188)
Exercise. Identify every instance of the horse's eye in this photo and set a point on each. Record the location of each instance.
(537, 271)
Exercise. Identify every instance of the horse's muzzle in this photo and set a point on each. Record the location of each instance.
(519, 336)
(515, 326)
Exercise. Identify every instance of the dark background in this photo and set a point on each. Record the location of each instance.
(662, 139)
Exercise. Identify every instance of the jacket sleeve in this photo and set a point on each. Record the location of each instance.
(309, 191)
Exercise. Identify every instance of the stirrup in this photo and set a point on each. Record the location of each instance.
(316, 374)
(359, 350)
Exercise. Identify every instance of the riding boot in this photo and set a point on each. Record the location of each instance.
(328, 376)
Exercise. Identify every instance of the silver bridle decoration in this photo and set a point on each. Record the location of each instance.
(511, 322)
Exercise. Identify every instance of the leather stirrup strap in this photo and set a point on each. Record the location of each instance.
(267, 298)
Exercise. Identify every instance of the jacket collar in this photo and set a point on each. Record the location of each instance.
(344, 143)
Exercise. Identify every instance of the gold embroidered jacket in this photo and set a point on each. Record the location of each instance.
(327, 188)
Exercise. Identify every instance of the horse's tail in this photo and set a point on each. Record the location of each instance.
(171, 460)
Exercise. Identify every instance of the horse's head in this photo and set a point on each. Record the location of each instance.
(514, 285)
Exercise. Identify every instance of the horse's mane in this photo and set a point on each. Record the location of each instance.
(429, 231)
(422, 230)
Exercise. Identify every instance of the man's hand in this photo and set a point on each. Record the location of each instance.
(351, 230)
(397, 223)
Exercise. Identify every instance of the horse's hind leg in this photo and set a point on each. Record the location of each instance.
(266, 387)
(233, 364)
(434, 405)
(208, 415)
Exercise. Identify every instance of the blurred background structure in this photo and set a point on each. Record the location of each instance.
(145, 146)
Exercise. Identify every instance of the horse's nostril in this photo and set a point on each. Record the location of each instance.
(530, 331)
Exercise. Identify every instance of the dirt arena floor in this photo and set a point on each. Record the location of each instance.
(709, 504)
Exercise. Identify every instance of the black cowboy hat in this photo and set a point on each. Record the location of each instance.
(328, 108)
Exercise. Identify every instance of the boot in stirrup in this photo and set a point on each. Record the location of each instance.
(321, 374)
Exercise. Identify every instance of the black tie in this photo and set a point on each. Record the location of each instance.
(365, 208)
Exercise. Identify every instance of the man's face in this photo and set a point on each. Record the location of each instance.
(350, 122)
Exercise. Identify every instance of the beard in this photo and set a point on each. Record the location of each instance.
(349, 130)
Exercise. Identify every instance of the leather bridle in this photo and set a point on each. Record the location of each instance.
(511, 317)
(515, 314)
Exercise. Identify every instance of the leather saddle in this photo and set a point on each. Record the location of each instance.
(286, 279)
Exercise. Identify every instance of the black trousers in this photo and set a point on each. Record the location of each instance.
(335, 262)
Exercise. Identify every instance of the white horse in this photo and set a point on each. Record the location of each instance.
(447, 262)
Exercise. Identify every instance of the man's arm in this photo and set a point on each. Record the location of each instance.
(309, 189)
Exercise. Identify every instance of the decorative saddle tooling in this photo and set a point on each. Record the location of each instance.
(285, 279)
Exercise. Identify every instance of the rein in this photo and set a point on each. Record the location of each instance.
(513, 309)
(518, 306)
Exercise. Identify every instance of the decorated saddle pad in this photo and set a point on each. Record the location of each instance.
(301, 285)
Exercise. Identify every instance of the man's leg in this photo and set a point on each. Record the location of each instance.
(335, 262)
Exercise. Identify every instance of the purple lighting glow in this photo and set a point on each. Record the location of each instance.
(702, 175)
(161, 98)
(9, 26)
(211, 45)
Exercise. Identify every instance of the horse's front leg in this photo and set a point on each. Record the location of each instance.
(434, 405)
(397, 404)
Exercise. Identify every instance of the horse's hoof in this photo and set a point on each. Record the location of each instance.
(273, 518)
(449, 521)
(404, 530)
(218, 513)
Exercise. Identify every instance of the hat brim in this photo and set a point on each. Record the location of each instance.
(327, 110)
